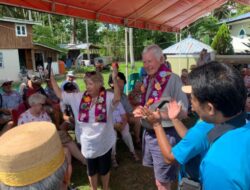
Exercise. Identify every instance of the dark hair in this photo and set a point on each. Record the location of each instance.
(69, 86)
(120, 75)
(221, 85)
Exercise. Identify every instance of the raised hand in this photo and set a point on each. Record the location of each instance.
(174, 109)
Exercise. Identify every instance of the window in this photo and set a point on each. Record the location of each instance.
(1, 60)
(242, 33)
(21, 30)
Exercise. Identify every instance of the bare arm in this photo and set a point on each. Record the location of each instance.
(165, 146)
(55, 86)
(174, 112)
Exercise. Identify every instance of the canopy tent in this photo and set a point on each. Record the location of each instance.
(163, 15)
(187, 46)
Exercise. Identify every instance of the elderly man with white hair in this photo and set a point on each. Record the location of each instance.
(160, 84)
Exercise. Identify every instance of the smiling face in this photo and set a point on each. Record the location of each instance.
(92, 87)
(151, 63)
(204, 110)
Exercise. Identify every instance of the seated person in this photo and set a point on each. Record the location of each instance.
(135, 122)
(121, 126)
(9, 99)
(70, 78)
(135, 95)
(40, 156)
(37, 113)
(68, 115)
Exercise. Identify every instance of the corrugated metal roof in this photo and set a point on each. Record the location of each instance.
(187, 46)
(238, 18)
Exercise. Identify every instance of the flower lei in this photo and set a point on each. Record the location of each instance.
(100, 107)
(160, 82)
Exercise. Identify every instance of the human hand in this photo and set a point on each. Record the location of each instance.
(138, 112)
(151, 116)
(174, 109)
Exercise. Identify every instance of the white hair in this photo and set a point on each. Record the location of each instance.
(52, 182)
(36, 98)
(156, 50)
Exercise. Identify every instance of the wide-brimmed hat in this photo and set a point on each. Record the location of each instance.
(5, 81)
(187, 89)
(30, 153)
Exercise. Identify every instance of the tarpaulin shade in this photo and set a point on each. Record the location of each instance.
(163, 15)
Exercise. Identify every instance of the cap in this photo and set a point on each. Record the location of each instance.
(187, 89)
(6, 81)
(71, 74)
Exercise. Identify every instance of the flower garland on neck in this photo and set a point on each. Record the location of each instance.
(159, 83)
(100, 107)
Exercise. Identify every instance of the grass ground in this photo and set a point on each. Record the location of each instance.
(130, 175)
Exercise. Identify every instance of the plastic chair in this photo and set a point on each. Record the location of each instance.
(133, 78)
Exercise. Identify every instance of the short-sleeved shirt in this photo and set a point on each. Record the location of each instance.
(12, 100)
(96, 138)
(193, 143)
(172, 91)
(27, 117)
(227, 163)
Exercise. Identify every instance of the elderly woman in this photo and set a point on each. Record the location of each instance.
(93, 123)
(36, 113)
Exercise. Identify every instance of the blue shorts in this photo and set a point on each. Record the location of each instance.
(100, 165)
(152, 156)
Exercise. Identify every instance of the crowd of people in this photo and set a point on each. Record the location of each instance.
(213, 154)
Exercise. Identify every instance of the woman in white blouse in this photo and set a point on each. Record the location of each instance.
(93, 123)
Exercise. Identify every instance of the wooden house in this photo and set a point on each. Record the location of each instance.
(17, 49)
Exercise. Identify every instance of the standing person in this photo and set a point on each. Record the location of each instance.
(93, 123)
(218, 96)
(70, 77)
(160, 83)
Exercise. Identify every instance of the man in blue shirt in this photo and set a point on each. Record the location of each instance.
(218, 96)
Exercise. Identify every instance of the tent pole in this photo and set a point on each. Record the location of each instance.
(126, 55)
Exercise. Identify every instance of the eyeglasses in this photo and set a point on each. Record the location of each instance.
(90, 73)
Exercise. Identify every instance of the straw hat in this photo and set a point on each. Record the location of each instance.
(29, 153)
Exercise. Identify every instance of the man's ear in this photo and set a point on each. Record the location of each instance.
(211, 109)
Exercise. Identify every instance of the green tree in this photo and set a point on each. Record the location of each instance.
(222, 41)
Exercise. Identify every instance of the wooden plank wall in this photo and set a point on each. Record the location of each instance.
(9, 40)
